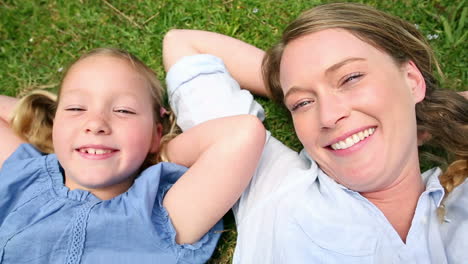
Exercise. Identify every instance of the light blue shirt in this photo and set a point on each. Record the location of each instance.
(293, 213)
(42, 221)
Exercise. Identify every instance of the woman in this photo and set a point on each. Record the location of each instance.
(358, 83)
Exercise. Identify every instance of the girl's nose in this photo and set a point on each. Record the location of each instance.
(98, 125)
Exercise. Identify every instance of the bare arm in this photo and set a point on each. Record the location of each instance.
(9, 141)
(242, 60)
(7, 104)
(464, 94)
(222, 155)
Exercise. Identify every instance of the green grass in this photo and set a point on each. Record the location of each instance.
(38, 38)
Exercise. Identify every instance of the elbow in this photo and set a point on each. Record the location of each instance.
(257, 129)
(176, 44)
(170, 48)
(252, 133)
(170, 37)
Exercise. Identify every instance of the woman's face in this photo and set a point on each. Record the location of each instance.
(353, 108)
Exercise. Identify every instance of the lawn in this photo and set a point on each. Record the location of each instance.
(39, 38)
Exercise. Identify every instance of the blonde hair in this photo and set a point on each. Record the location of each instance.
(442, 113)
(33, 116)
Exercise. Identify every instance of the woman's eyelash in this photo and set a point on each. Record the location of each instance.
(352, 77)
(300, 104)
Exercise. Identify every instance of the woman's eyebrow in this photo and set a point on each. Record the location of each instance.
(340, 64)
(293, 90)
(328, 71)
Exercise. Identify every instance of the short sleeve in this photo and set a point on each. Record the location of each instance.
(200, 89)
(20, 178)
(198, 252)
(24, 152)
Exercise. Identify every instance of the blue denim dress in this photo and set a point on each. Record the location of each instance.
(42, 221)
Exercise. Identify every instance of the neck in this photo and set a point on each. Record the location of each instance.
(398, 202)
(103, 193)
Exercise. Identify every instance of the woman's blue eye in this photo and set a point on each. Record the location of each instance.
(300, 104)
(352, 77)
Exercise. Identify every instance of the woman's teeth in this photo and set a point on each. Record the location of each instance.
(353, 139)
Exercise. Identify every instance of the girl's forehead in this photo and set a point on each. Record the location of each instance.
(97, 61)
(102, 66)
(100, 72)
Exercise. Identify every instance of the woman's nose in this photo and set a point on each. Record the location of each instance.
(332, 109)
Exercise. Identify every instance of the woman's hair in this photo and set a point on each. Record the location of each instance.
(442, 113)
(34, 114)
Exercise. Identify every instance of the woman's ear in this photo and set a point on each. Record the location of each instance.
(157, 135)
(416, 81)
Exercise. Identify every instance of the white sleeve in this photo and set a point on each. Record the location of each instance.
(200, 88)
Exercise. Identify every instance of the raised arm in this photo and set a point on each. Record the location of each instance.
(8, 140)
(222, 155)
(242, 60)
(7, 104)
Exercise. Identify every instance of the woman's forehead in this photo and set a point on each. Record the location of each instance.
(317, 52)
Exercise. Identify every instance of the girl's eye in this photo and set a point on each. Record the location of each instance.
(352, 77)
(124, 111)
(301, 104)
(74, 109)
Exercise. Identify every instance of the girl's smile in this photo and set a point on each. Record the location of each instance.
(96, 152)
(104, 126)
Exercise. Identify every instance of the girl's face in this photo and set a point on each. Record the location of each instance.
(353, 108)
(104, 125)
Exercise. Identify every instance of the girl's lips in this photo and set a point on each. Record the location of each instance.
(95, 152)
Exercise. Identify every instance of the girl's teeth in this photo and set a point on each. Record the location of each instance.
(351, 140)
(99, 151)
(94, 151)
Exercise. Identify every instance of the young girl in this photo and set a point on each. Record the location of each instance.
(96, 200)
(358, 84)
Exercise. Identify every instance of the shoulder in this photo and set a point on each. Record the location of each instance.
(148, 193)
(26, 160)
(24, 152)
(457, 197)
(153, 182)
(24, 175)
(279, 172)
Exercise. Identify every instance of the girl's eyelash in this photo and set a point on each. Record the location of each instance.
(124, 111)
(74, 109)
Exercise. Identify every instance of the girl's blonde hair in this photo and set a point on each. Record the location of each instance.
(442, 113)
(34, 114)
